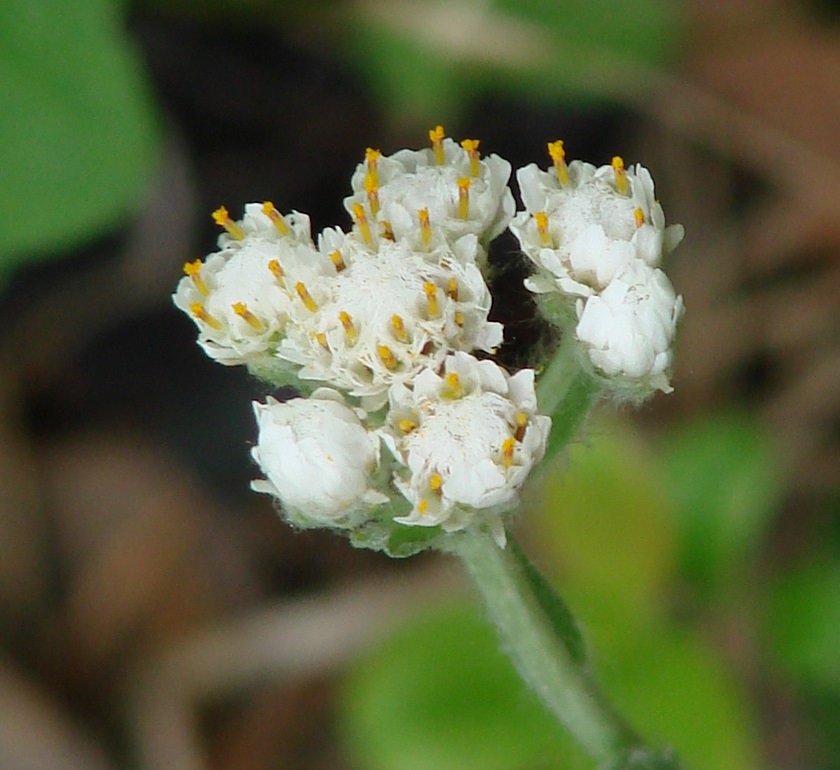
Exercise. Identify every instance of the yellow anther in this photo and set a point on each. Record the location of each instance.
(386, 231)
(640, 216)
(241, 309)
(386, 355)
(471, 148)
(306, 297)
(372, 190)
(422, 506)
(436, 137)
(273, 214)
(435, 482)
(277, 272)
(521, 421)
(360, 219)
(372, 160)
(321, 339)
(431, 299)
(406, 426)
(459, 318)
(399, 328)
(425, 226)
(337, 260)
(621, 183)
(558, 156)
(222, 218)
(541, 218)
(452, 289)
(199, 311)
(193, 270)
(507, 451)
(349, 327)
(454, 385)
(464, 197)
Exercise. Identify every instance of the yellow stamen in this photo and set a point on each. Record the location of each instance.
(453, 383)
(425, 226)
(387, 357)
(464, 197)
(435, 482)
(306, 297)
(193, 270)
(507, 451)
(372, 190)
(199, 311)
(422, 506)
(321, 338)
(242, 311)
(640, 217)
(386, 231)
(349, 327)
(541, 218)
(452, 289)
(372, 159)
(406, 425)
(431, 299)
(222, 218)
(558, 155)
(337, 260)
(273, 214)
(277, 272)
(459, 318)
(436, 137)
(360, 219)
(399, 328)
(471, 148)
(621, 183)
(521, 420)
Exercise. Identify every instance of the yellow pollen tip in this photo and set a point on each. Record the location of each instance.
(360, 219)
(521, 421)
(193, 270)
(241, 309)
(406, 426)
(558, 156)
(306, 297)
(471, 148)
(541, 218)
(453, 382)
(452, 289)
(372, 159)
(431, 299)
(399, 328)
(621, 183)
(507, 451)
(321, 339)
(435, 482)
(640, 217)
(222, 218)
(274, 215)
(200, 312)
(277, 271)
(349, 327)
(425, 226)
(436, 136)
(337, 260)
(387, 357)
(464, 197)
(459, 318)
(423, 506)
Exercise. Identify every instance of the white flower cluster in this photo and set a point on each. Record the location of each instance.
(404, 428)
(597, 237)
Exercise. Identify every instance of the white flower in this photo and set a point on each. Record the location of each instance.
(462, 194)
(240, 297)
(583, 231)
(318, 459)
(628, 329)
(467, 440)
(387, 314)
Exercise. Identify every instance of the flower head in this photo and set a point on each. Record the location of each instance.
(318, 459)
(467, 440)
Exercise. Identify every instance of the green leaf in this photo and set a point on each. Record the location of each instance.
(439, 695)
(725, 480)
(77, 133)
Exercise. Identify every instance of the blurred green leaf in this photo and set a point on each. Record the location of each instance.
(77, 134)
(439, 695)
(803, 625)
(725, 480)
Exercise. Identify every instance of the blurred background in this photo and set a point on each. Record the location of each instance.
(154, 613)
